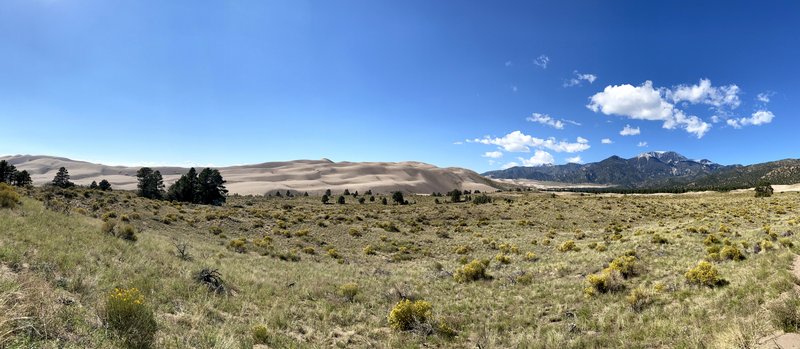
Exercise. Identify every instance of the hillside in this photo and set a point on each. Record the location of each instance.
(294, 273)
(313, 176)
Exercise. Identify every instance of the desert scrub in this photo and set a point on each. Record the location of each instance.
(530, 257)
(502, 258)
(8, 196)
(260, 334)
(567, 246)
(785, 313)
(472, 271)
(704, 274)
(463, 249)
(625, 265)
(126, 232)
(238, 245)
(731, 252)
(349, 291)
(215, 230)
(130, 318)
(409, 315)
(640, 298)
(608, 280)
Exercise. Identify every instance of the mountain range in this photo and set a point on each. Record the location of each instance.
(661, 169)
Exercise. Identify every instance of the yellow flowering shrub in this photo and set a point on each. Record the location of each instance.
(408, 315)
(704, 274)
(128, 316)
(8, 196)
(472, 271)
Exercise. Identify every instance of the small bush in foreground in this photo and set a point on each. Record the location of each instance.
(260, 334)
(8, 196)
(567, 246)
(732, 253)
(640, 298)
(472, 271)
(608, 280)
(625, 265)
(349, 291)
(130, 318)
(408, 315)
(704, 274)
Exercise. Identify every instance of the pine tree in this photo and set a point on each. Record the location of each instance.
(151, 184)
(325, 199)
(397, 197)
(185, 188)
(93, 186)
(210, 187)
(61, 179)
(7, 172)
(340, 200)
(104, 185)
(23, 179)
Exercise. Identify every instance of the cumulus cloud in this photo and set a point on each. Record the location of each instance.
(510, 165)
(764, 97)
(579, 78)
(606, 141)
(760, 117)
(545, 119)
(493, 154)
(575, 160)
(542, 61)
(644, 102)
(704, 93)
(519, 142)
(642, 144)
(540, 157)
(630, 131)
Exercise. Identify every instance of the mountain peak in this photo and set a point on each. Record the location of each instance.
(664, 156)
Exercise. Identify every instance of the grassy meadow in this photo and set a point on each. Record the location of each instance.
(84, 268)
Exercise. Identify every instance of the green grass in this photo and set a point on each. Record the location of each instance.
(57, 270)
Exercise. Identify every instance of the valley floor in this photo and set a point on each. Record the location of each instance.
(298, 273)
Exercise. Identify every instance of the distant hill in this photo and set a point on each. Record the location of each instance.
(659, 170)
(313, 176)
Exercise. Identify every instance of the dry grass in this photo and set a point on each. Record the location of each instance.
(283, 279)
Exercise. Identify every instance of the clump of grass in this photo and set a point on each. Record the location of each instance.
(640, 298)
(704, 274)
(463, 249)
(785, 313)
(625, 265)
(530, 257)
(131, 319)
(472, 271)
(260, 334)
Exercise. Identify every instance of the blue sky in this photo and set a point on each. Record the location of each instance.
(472, 84)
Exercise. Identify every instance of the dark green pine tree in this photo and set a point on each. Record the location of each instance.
(7, 172)
(104, 185)
(185, 189)
(211, 188)
(23, 179)
(93, 186)
(151, 184)
(61, 179)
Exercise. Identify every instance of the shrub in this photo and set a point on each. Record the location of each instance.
(785, 313)
(711, 239)
(463, 249)
(348, 291)
(472, 271)
(608, 280)
(388, 226)
(567, 246)
(107, 227)
(238, 245)
(502, 258)
(625, 265)
(704, 274)
(369, 250)
(128, 316)
(732, 253)
(260, 334)
(658, 239)
(126, 232)
(408, 315)
(786, 242)
(639, 298)
(530, 257)
(215, 230)
(766, 245)
(8, 196)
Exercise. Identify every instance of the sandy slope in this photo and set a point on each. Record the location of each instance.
(313, 176)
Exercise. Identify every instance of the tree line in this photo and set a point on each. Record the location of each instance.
(9, 175)
(205, 188)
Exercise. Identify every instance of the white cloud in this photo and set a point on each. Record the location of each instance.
(576, 81)
(510, 165)
(540, 157)
(763, 97)
(647, 103)
(575, 160)
(606, 141)
(582, 140)
(458, 143)
(542, 61)
(630, 131)
(760, 117)
(704, 93)
(571, 122)
(493, 154)
(508, 63)
(545, 119)
(642, 144)
(519, 142)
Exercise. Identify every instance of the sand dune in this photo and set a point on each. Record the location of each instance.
(312, 176)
